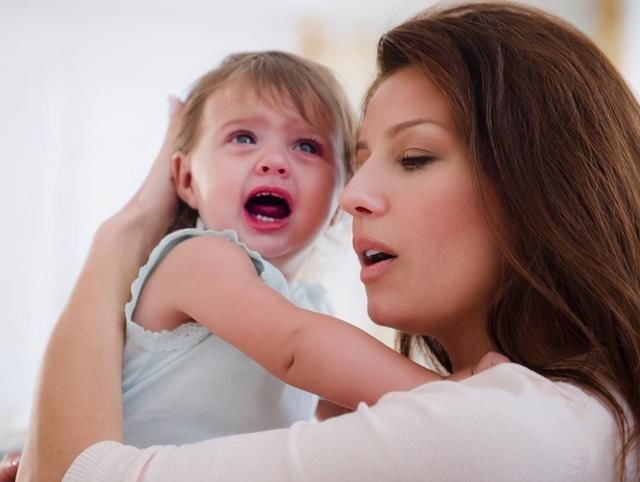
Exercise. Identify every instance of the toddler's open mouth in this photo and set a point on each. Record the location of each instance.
(269, 207)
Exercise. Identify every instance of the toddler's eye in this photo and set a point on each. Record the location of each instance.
(243, 138)
(309, 147)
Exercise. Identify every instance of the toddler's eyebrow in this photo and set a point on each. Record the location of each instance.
(242, 120)
(258, 120)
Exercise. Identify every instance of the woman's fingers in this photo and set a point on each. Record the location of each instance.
(155, 202)
(9, 467)
(158, 190)
(168, 146)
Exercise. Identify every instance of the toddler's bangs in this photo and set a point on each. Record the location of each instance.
(288, 89)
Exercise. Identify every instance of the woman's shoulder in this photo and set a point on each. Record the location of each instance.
(510, 410)
(511, 393)
(511, 381)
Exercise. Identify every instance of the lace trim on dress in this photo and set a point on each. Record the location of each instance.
(186, 335)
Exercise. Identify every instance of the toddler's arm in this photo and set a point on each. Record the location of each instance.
(212, 280)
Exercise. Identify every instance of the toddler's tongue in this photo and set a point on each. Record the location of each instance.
(269, 206)
(273, 211)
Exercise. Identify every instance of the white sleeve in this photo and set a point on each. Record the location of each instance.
(504, 424)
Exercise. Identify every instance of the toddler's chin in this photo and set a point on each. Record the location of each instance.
(269, 249)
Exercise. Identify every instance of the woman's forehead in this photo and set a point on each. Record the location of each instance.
(406, 96)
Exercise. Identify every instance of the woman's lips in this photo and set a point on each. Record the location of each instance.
(375, 258)
(373, 272)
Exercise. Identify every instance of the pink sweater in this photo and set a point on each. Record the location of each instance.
(505, 424)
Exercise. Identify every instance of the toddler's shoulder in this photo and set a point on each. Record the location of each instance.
(212, 252)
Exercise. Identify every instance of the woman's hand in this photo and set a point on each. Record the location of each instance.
(79, 396)
(153, 206)
(9, 467)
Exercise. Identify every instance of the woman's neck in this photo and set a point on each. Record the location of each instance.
(466, 345)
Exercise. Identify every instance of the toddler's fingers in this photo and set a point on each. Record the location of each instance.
(489, 360)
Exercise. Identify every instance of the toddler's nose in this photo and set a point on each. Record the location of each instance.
(273, 163)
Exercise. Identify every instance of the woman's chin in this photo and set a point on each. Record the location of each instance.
(384, 315)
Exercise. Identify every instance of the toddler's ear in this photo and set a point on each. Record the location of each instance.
(182, 178)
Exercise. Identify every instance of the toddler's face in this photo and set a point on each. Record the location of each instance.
(261, 169)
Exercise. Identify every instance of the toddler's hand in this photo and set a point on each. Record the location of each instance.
(489, 360)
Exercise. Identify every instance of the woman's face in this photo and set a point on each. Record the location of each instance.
(429, 262)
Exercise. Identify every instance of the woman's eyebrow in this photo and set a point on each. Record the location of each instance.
(397, 128)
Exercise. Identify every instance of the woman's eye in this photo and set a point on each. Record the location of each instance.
(411, 163)
(309, 147)
(243, 138)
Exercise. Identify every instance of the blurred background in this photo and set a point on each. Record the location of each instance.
(83, 89)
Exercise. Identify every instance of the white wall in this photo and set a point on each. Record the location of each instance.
(82, 110)
(82, 97)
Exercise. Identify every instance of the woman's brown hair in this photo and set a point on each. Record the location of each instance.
(280, 78)
(554, 130)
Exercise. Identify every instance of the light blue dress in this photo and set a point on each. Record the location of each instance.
(188, 385)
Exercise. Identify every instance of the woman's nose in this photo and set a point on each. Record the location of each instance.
(361, 196)
(273, 163)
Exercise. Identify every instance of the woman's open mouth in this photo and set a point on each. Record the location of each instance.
(268, 208)
(375, 258)
(372, 256)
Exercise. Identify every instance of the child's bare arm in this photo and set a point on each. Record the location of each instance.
(327, 409)
(211, 280)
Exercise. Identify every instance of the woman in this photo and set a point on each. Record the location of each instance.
(496, 205)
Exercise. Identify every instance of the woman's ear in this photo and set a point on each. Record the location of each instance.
(182, 178)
